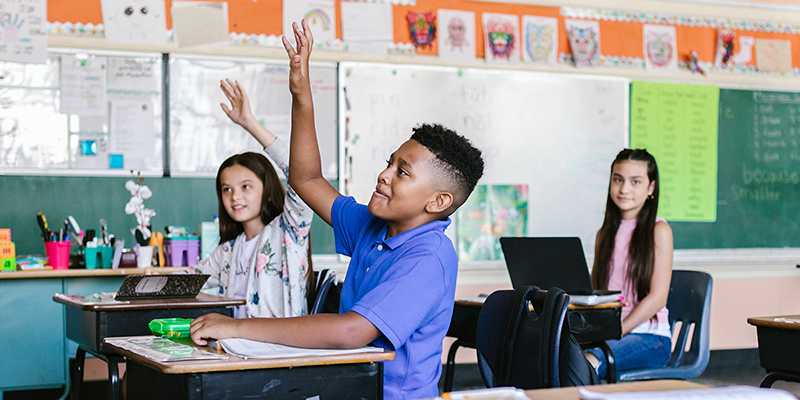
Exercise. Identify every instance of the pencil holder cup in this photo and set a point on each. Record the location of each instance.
(182, 251)
(98, 257)
(145, 257)
(57, 254)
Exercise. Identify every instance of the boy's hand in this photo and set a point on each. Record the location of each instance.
(214, 326)
(239, 112)
(299, 83)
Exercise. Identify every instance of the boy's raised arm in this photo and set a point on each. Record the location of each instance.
(305, 167)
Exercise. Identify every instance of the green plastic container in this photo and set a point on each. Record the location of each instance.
(171, 328)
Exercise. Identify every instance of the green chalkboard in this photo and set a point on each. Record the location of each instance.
(177, 201)
(758, 200)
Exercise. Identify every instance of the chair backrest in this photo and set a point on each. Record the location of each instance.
(689, 302)
(517, 345)
(326, 298)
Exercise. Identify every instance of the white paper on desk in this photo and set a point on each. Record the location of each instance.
(162, 349)
(83, 86)
(245, 348)
(725, 393)
(23, 33)
(501, 393)
(132, 131)
(134, 21)
(593, 299)
(320, 15)
(199, 22)
(367, 27)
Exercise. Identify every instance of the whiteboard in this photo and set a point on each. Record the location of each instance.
(36, 138)
(557, 133)
(202, 136)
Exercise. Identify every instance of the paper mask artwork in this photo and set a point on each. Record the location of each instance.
(423, 28)
(540, 39)
(134, 21)
(725, 38)
(457, 38)
(584, 41)
(491, 212)
(501, 38)
(660, 49)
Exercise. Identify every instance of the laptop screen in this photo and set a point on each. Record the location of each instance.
(547, 262)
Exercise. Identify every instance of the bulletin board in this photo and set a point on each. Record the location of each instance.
(36, 137)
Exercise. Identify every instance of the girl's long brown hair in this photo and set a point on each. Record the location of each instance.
(641, 251)
(271, 199)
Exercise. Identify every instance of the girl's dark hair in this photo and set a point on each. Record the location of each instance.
(641, 251)
(271, 200)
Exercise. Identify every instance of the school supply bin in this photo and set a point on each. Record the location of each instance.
(182, 251)
(57, 254)
(171, 328)
(98, 257)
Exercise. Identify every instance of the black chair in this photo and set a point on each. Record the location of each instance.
(519, 346)
(326, 292)
(689, 303)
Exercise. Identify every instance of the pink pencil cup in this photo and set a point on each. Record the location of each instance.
(182, 251)
(57, 254)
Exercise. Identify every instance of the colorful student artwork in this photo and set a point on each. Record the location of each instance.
(694, 64)
(745, 54)
(540, 39)
(584, 41)
(660, 49)
(23, 31)
(457, 37)
(134, 21)
(724, 51)
(320, 15)
(773, 55)
(422, 26)
(491, 212)
(501, 38)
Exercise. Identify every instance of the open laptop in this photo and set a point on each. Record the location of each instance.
(167, 286)
(549, 262)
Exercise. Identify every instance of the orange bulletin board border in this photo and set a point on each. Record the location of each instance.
(621, 32)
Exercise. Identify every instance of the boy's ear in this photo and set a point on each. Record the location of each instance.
(440, 202)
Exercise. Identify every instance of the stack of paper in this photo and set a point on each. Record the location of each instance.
(245, 348)
(593, 299)
(726, 393)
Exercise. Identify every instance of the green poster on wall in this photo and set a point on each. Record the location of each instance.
(677, 124)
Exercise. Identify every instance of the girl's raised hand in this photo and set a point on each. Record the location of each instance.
(239, 112)
(298, 59)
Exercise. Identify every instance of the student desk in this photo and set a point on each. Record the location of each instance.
(352, 376)
(33, 329)
(571, 393)
(87, 324)
(603, 322)
(778, 348)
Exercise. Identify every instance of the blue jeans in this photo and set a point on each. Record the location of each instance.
(634, 351)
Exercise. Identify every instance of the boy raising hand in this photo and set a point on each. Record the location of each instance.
(400, 284)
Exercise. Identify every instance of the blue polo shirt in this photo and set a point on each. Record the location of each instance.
(405, 286)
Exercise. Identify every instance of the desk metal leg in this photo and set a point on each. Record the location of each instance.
(449, 367)
(611, 369)
(77, 373)
(773, 376)
(115, 386)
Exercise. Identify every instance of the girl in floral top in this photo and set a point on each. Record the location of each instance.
(263, 251)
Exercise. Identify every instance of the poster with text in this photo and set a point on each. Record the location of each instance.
(491, 212)
(83, 86)
(23, 31)
(539, 39)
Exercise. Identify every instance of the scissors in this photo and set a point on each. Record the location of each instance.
(157, 240)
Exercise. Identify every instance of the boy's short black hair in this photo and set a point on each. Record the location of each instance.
(460, 163)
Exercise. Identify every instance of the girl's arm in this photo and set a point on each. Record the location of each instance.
(241, 114)
(659, 283)
(212, 265)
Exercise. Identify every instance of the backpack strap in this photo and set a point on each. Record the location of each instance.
(505, 348)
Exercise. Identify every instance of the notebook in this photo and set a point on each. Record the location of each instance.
(170, 286)
(549, 262)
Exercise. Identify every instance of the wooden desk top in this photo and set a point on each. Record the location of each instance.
(769, 322)
(477, 302)
(72, 273)
(234, 363)
(202, 300)
(571, 393)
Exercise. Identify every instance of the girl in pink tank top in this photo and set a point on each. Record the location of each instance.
(633, 253)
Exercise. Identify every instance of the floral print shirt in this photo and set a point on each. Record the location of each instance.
(276, 279)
